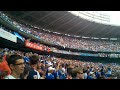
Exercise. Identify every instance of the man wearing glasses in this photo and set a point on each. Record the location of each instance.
(17, 65)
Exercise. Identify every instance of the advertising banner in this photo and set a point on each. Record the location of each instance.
(33, 45)
(6, 35)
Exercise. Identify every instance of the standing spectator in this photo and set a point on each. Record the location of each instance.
(77, 73)
(50, 75)
(34, 74)
(16, 64)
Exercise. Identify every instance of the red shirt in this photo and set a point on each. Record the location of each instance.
(4, 66)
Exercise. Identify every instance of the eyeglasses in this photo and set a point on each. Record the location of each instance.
(80, 73)
(20, 64)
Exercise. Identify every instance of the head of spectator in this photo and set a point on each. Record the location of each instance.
(16, 64)
(51, 69)
(34, 61)
(77, 73)
(60, 67)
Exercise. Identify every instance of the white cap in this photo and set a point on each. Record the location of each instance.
(51, 68)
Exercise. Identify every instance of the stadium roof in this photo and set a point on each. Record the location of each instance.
(67, 23)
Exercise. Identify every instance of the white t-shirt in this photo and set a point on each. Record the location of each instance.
(63, 70)
(38, 75)
(9, 77)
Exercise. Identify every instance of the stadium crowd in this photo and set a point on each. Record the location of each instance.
(65, 41)
(75, 43)
(15, 64)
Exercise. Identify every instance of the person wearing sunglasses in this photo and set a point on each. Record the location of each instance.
(17, 65)
(77, 73)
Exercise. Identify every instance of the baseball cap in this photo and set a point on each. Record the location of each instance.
(51, 68)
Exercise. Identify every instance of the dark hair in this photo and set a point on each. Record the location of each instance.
(74, 74)
(34, 59)
(69, 70)
(13, 58)
(63, 65)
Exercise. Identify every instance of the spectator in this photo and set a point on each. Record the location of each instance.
(34, 74)
(4, 65)
(16, 64)
(77, 73)
(49, 75)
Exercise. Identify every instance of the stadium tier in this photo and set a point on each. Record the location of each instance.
(45, 54)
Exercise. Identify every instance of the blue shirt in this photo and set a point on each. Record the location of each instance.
(55, 74)
(49, 76)
(61, 75)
